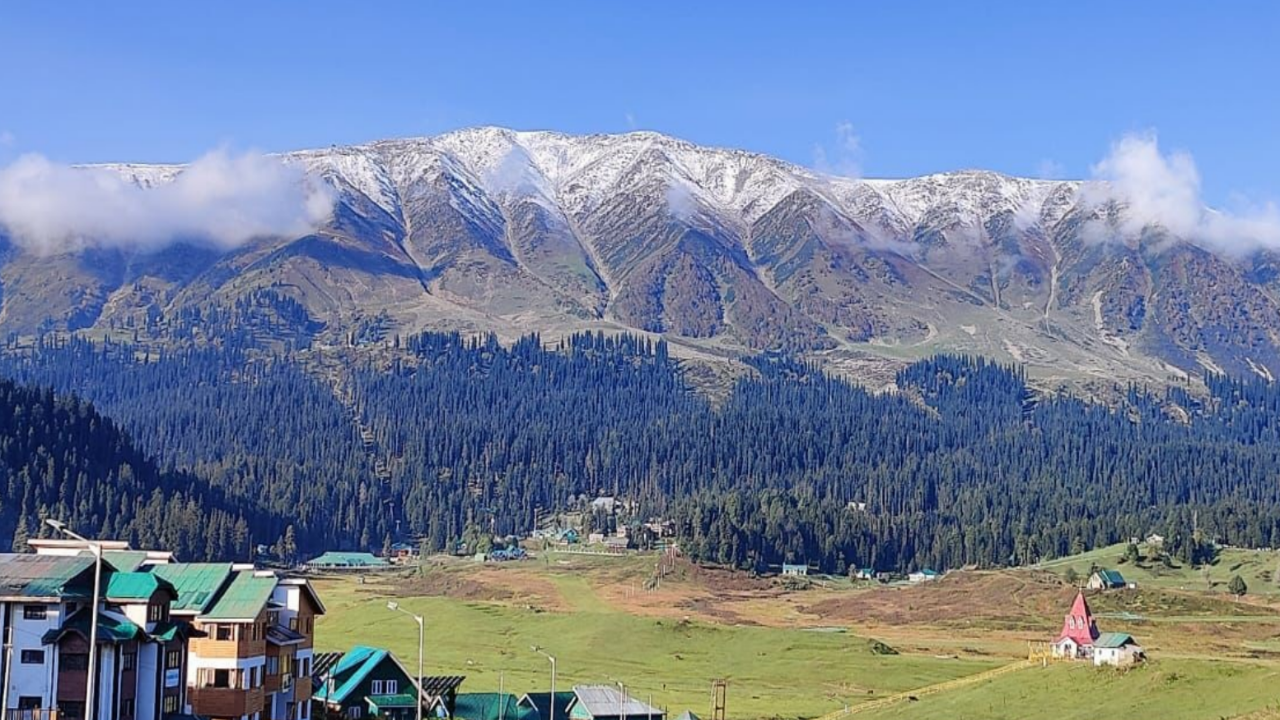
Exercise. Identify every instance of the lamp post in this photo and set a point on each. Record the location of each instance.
(89, 710)
(395, 607)
(548, 656)
(622, 702)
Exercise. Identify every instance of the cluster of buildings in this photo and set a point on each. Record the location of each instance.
(367, 681)
(171, 639)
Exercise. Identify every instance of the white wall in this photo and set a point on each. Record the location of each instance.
(149, 659)
(27, 680)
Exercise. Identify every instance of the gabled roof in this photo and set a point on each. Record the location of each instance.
(243, 599)
(541, 702)
(123, 560)
(491, 706)
(387, 702)
(1114, 640)
(197, 583)
(170, 629)
(1111, 577)
(351, 670)
(436, 685)
(321, 664)
(137, 586)
(687, 715)
(310, 591)
(51, 577)
(608, 701)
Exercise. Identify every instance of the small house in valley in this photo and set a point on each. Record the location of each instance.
(1103, 579)
(1117, 649)
(864, 574)
(795, 570)
(925, 575)
(345, 561)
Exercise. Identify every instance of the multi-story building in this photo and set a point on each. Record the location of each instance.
(45, 616)
(255, 659)
(218, 640)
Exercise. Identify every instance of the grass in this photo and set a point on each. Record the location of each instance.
(1257, 567)
(1166, 689)
(772, 672)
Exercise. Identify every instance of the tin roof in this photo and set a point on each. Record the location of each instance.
(197, 584)
(45, 576)
(124, 560)
(136, 586)
(1114, 640)
(112, 628)
(542, 701)
(608, 701)
(281, 635)
(350, 670)
(244, 598)
(400, 700)
(347, 560)
(491, 706)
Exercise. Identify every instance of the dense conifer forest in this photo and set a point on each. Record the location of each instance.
(448, 437)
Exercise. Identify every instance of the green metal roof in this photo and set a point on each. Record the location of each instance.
(351, 670)
(1113, 640)
(45, 576)
(244, 598)
(112, 628)
(197, 584)
(687, 715)
(400, 700)
(136, 586)
(348, 560)
(1111, 577)
(166, 631)
(491, 706)
(123, 560)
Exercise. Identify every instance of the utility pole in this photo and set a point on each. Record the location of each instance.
(8, 670)
(548, 656)
(395, 607)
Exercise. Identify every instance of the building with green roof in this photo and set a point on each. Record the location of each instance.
(243, 599)
(197, 584)
(368, 680)
(340, 561)
(492, 706)
(1103, 579)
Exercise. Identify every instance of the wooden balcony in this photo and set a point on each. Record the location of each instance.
(224, 702)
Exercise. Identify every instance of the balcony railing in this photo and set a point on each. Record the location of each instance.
(34, 714)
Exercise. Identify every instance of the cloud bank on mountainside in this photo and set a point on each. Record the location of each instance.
(221, 200)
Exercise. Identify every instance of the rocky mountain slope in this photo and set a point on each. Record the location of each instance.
(721, 251)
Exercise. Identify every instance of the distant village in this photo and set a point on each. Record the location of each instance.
(178, 641)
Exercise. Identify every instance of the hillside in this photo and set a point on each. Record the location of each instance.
(61, 460)
(722, 252)
(452, 436)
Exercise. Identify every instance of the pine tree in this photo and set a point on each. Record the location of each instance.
(1237, 586)
(20, 537)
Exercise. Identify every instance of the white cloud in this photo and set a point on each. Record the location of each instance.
(845, 158)
(1163, 190)
(221, 200)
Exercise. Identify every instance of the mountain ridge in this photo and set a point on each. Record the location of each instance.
(723, 251)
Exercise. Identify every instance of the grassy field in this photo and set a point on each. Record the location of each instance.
(772, 672)
(1257, 568)
(1166, 689)
(803, 653)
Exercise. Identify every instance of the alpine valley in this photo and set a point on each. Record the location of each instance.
(724, 253)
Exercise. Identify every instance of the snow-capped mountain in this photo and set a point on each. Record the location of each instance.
(722, 251)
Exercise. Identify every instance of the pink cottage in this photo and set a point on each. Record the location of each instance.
(1079, 632)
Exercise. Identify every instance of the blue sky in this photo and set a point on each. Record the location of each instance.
(1019, 87)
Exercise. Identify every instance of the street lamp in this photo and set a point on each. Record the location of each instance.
(395, 607)
(548, 656)
(96, 549)
(622, 702)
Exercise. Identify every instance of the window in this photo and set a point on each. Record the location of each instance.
(34, 612)
(293, 624)
(257, 676)
(126, 708)
(29, 702)
(155, 613)
(173, 659)
(71, 709)
(128, 661)
(389, 687)
(273, 666)
(32, 657)
(170, 704)
(354, 713)
(377, 688)
(221, 678)
(73, 661)
(224, 632)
